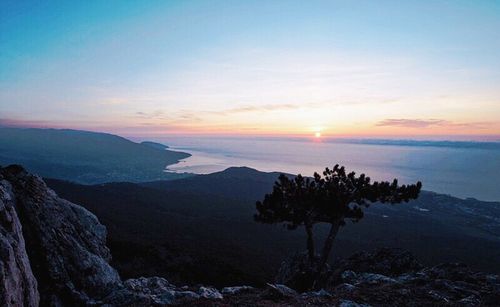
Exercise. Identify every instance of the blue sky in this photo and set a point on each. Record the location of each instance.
(381, 68)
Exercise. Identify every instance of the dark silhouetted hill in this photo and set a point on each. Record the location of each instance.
(201, 229)
(239, 183)
(85, 157)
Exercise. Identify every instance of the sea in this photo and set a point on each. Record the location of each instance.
(461, 169)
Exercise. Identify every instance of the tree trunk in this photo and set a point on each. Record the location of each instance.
(328, 244)
(310, 243)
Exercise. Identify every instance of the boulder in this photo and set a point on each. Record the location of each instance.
(210, 293)
(149, 285)
(236, 290)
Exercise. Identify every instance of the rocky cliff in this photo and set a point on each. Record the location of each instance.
(66, 244)
(18, 286)
(53, 253)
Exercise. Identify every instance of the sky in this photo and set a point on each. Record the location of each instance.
(403, 69)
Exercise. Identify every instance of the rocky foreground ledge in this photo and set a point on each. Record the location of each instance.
(53, 253)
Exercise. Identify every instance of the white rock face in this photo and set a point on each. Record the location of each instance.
(66, 243)
(18, 286)
(210, 293)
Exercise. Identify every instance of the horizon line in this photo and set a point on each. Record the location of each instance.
(469, 138)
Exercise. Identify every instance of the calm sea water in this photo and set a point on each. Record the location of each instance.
(463, 170)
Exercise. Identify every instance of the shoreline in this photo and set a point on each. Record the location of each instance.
(461, 172)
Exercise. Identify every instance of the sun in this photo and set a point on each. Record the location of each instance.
(317, 134)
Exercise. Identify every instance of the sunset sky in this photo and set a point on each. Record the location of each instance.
(341, 68)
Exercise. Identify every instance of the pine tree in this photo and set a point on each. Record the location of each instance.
(333, 198)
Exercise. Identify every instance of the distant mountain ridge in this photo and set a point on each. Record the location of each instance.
(85, 157)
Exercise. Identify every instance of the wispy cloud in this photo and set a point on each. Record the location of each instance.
(160, 115)
(411, 123)
(259, 108)
(7, 122)
(425, 123)
(195, 115)
(157, 114)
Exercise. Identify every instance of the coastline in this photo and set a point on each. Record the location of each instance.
(441, 169)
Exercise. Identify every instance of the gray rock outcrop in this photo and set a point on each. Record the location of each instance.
(18, 286)
(66, 244)
(236, 290)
